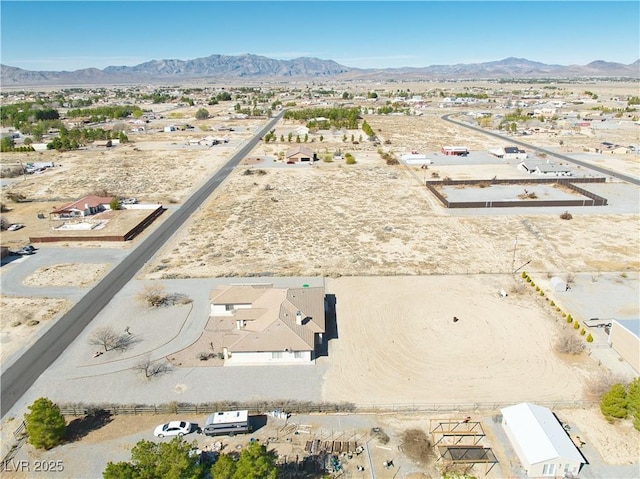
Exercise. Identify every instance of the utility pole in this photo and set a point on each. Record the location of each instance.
(513, 260)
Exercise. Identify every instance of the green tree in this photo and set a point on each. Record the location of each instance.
(224, 467)
(282, 138)
(306, 137)
(321, 138)
(289, 136)
(44, 423)
(366, 128)
(613, 403)
(297, 138)
(6, 144)
(202, 114)
(633, 401)
(168, 460)
(256, 462)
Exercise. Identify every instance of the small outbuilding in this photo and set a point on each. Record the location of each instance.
(540, 442)
(624, 338)
(455, 150)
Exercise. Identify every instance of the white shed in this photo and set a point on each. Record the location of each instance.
(542, 445)
(558, 284)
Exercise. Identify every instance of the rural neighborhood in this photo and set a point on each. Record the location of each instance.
(371, 279)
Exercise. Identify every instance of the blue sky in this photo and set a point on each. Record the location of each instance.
(55, 36)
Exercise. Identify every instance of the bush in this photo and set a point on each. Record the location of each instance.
(552, 303)
(613, 403)
(528, 279)
(569, 343)
(416, 445)
(524, 275)
(582, 332)
(566, 216)
(600, 384)
(589, 338)
(45, 424)
(576, 325)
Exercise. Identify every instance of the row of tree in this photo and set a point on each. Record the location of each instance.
(176, 460)
(336, 117)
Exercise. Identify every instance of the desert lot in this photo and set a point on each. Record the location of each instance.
(400, 266)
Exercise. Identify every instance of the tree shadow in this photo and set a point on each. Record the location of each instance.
(82, 426)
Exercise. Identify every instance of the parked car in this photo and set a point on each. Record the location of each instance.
(173, 428)
(25, 252)
(15, 227)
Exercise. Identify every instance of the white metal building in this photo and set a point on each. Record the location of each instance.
(542, 445)
(625, 339)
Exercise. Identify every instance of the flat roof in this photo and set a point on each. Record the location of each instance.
(631, 325)
(225, 417)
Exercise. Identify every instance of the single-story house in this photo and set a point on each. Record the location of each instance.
(260, 324)
(624, 338)
(509, 153)
(540, 442)
(546, 169)
(87, 206)
(455, 150)
(299, 153)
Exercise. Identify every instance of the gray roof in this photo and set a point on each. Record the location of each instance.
(631, 325)
(540, 436)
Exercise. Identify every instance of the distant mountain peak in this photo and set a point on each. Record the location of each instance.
(249, 65)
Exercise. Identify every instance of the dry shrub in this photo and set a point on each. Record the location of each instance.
(566, 216)
(152, 295)
(382, 436)
(602, 383)
(569, 343)
(416, 445)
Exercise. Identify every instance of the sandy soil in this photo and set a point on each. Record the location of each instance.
(617, 443)
(68, 274)
(398, 343)
(372, 219)
(22, 318)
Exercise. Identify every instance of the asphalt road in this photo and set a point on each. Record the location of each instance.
(584, 164)
(19, 377)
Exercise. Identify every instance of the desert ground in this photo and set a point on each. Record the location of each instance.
(358, 225)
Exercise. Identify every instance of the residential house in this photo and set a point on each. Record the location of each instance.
(87, 206)
(261, 324)
(299, 153)
(545, 169)
(509, 153)
(540, 442)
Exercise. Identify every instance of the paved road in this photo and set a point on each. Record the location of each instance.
(19, 377)
(584, 164)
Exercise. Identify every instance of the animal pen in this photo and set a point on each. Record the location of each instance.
(458, 443)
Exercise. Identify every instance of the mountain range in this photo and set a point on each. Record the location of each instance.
(255, 67)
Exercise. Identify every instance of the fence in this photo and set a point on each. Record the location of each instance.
(307, 408)
(20, 437)
(132, 233)
(592, 198)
